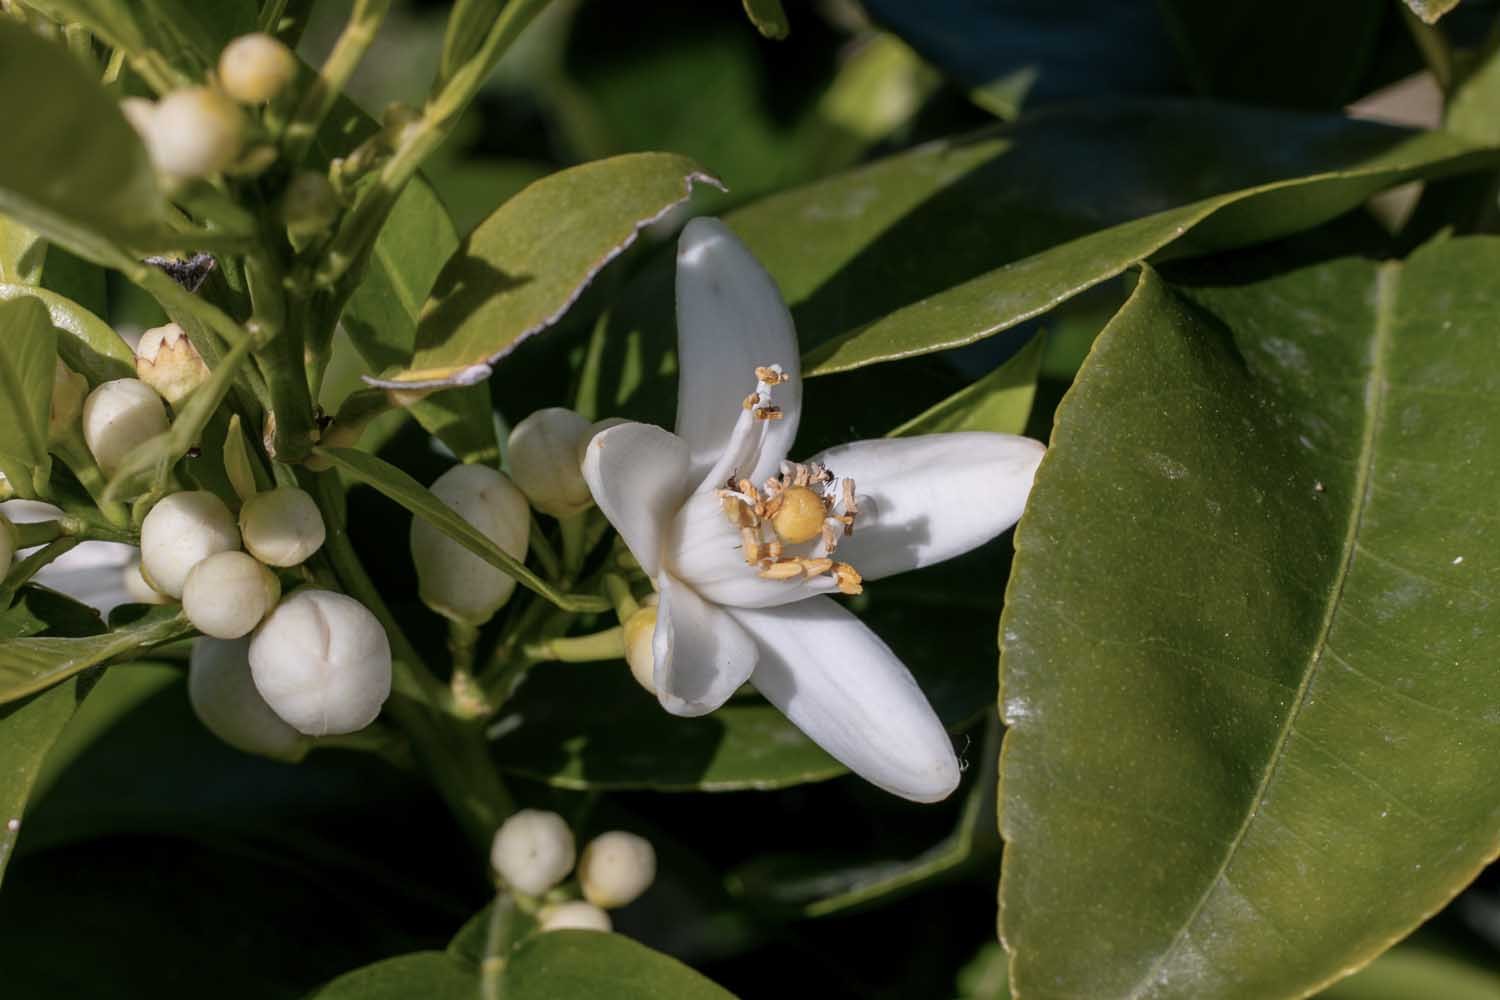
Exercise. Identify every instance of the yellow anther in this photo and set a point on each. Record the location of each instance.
(789, 570)
(800, 516)
(848, 579)
(750, 541)
(813, 567)
(770, 376)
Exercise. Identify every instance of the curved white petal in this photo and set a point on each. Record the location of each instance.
(638, 475)
(730, 319)
(704, 550)
(846, 690)
(926, 499)
(702, 655)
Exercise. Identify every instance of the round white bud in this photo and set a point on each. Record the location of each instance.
(118, 417)
(255, 68)
(282, 527)
(322, 662)
(533, 851)
(7, 544)
(453, 581)
(166, 360)
(194, 132)
(226, 702)
(309, 205)
(140, 112)
(640, 630)
(138, 588)
(181, 531)
(616, 868)
(227, 594)
(543, 456)
(574, 915)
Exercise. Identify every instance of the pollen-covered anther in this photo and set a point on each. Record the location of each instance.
(788, 569)
(848, 579)
(771, 375)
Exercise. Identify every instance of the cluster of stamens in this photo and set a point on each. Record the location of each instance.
(804, 503)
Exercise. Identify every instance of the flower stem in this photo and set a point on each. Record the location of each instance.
(606, 645)
(498, 942)
(452, 751)
(364, 21)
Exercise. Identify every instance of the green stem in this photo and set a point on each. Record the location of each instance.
(360, 30)
(468, 698)
(544, 552)
(75, 454)
(575, 548)
(36, 533)
(606, 645)
(1432, 43)
(28, 567)
(620, 596)
(498, 942)
(452, 751)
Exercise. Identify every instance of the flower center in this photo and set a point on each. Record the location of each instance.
(803, 504)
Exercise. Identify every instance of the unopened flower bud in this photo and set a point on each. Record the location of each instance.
(282, 527)
(68, 391)
(138, 588)
(322, 662)
(255, 68)
(453, 581)
(227, 594)
(194, 132)
(181, 531)
(7, 545)
(616, 868)
(119, 416)
(533, 851)
(640, 630)
(573, 915)
(309, 205)
(543, 456)
(225, 700)
(595, 429)
(166, 360)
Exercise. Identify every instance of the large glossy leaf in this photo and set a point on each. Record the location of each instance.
(520, 270)
(188, 34)
(431, 975)
(1249, 640)
(959, 240)
(94, 349)
(998, 402)
(28, 356)
(35, 664)
(28, 728)
(1407, 973)
(85, 180)
(586, 965)
(22, 253)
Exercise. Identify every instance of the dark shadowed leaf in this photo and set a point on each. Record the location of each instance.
(587, 965)
(28, 357)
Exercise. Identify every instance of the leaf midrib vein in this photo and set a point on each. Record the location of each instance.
(1376, 387)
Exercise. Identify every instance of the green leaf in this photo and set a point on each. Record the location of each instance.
(798, 884)
(468, 23)
(30, 665)
(587, 965)
(1001, 401)
(84, 181)
(959, 240)
(190, 35)
(28, 357)
(1430, 10)
(1248, 641)
(1407, 972)
(412, 495)
(768, 17)
(94, 349)
(518, 273)
(22, 253)
(431, 975)
(382, 318)
(28, 728)
(987, 976)
(238, 466)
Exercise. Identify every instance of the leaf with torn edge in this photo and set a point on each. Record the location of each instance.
(525, 265)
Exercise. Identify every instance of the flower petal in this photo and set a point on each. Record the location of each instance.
(702, 655)
(730, 320)
(705, 551)
(638, 475)
(846, 690)
(926, 499)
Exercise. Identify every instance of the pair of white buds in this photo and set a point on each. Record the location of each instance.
(200, 131)
(543, 454)
(534, 851)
